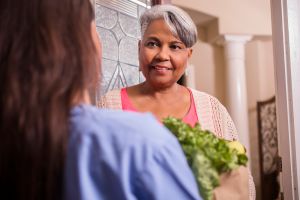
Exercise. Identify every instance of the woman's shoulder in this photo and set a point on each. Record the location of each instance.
(203, 95)
(113, 93)
(205, 100)
(112, 100)
(213, 115)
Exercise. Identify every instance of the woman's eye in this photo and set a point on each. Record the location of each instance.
(175, 47)
(151, 44)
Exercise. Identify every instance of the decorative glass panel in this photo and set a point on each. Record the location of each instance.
(118, 26)
(129, 51)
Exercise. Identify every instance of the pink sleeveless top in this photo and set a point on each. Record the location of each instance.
(190, 118)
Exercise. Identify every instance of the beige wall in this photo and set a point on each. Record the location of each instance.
(208, 65)
(260, 87)
(253, 15)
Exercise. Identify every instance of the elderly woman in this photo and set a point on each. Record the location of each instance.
(168, 34)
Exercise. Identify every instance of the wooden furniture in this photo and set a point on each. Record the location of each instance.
(268, 149)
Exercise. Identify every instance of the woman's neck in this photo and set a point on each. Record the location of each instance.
(162, 102)
(157, 92)
(83, 97)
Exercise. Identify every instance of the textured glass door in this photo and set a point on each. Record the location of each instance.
(118, 26)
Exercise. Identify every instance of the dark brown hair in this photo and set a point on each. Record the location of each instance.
(47, 58)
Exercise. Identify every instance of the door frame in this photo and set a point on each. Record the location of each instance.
(286, 44)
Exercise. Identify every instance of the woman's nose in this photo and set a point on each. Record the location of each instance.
(163, 54)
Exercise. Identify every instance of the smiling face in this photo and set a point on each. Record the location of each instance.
(163, 57)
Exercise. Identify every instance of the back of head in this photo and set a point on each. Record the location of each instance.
(47, 58)
(179, 22)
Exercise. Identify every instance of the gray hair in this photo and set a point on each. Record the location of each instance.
(179, 22)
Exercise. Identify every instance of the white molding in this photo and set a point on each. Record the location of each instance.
(223, 39)
(237, 38)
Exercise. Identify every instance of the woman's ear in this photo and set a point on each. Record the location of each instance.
(190, 52)
(139, 48)
(139, 45)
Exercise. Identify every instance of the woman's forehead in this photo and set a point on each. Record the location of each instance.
(159, 28)
(157, 23)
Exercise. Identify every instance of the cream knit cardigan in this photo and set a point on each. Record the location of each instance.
(211, 113)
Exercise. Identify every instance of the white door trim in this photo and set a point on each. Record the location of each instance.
(286, 34)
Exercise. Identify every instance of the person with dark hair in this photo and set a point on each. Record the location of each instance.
(54, 145)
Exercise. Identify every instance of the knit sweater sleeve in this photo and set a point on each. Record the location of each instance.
(111, 100)
(213, 116)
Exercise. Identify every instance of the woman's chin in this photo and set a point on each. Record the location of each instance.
(161, 82)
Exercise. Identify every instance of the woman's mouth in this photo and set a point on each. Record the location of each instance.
(161, 68)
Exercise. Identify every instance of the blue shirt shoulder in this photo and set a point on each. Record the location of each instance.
(122, 155)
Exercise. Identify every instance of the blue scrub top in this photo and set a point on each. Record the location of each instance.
(115, 155)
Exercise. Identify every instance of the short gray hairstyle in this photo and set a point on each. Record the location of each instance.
(179, 22)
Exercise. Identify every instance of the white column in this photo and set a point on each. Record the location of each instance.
(236, 91)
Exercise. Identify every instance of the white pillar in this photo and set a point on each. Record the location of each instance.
(236, 91)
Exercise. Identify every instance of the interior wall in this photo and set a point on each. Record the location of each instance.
(208, 63)
(253, 15)
(260, 87)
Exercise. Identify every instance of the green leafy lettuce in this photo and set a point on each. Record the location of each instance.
(207, 155)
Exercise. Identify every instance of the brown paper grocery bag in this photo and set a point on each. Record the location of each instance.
(234, 185)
